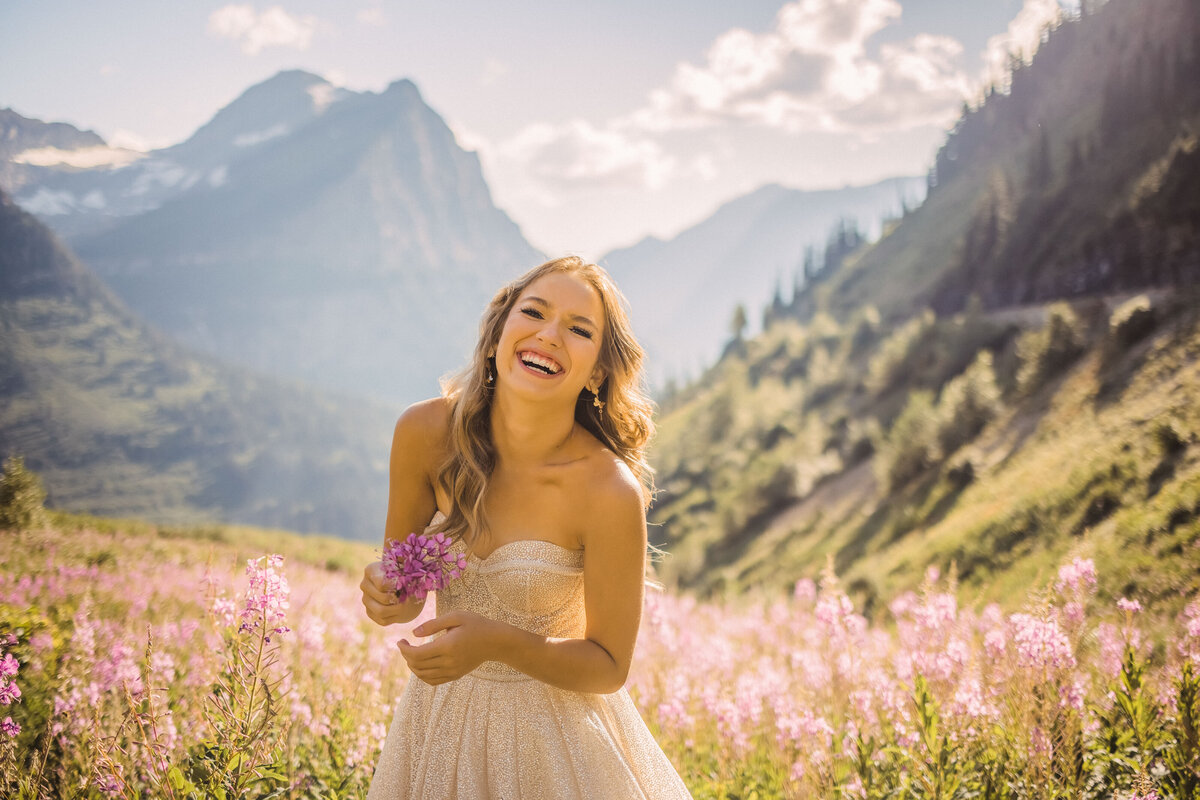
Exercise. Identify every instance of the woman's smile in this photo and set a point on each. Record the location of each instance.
(538, 362)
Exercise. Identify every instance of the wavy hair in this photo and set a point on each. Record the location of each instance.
(624, 425)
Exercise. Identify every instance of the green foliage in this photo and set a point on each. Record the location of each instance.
(21, 497)
(1182, 758)
(911, 445)
(939, 772)
(1049, 350)
(967, 403)
(893, 363)
(1131, 737)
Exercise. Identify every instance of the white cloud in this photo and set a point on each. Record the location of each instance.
(493, 70)
(1022, 38)
(372, 15)
(817, 69)
(578, 155)
(273, 27)
(814, 71)
(128, 140)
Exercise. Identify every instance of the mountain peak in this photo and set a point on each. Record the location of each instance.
(403, 88)
(267, 110)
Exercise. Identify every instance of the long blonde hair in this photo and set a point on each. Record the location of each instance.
(624, 425)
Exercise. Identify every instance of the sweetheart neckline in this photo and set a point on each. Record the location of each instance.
(471, 553)
(498, 548)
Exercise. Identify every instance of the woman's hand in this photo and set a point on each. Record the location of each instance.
(381, 603)
(466, 643)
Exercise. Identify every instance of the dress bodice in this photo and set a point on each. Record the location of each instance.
(531, 584)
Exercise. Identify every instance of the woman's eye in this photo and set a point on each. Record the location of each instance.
(531, 312)
(584, 332)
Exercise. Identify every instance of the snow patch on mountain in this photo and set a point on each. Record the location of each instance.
(258, 137)
(48, 202)
(323, 96)
(81, 158)
(161, 173)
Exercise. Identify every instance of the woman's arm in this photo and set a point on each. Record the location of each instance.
(613, 575)
(416, 447)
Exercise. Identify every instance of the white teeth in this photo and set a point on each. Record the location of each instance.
(534, 359)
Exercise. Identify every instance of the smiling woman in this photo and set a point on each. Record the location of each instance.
(533, 461)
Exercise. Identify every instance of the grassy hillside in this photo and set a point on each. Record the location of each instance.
(855, 446)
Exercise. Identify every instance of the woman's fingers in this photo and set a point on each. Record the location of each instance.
(374, 586)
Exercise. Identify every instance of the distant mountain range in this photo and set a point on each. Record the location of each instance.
(119, 420)
(340, 238)
(683, 292)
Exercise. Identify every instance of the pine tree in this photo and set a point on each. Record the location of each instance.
(21, 497)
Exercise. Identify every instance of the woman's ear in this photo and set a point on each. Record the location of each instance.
(596, 381)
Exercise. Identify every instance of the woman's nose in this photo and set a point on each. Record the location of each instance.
(549, 333)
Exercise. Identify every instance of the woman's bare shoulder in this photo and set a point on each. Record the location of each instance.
(425, 426)
(608, 479)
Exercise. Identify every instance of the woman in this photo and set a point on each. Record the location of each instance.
(533, 460)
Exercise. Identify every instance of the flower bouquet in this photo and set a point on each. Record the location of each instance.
(421, 564)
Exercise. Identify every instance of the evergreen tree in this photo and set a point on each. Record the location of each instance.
(21, 497)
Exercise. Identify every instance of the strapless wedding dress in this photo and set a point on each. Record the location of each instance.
(496, 732)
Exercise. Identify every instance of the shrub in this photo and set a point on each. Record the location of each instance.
(1169, 438)
(21, 497)
(1131, 321)
(892, 363)
(967, 404)
(910, 447)
(1051, 349)
(864, 329)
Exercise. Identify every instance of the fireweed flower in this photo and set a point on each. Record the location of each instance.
(1129, 606)
(9, 728)
(266, 596)
(1078, 576)
(421, 564)
(1040, 643)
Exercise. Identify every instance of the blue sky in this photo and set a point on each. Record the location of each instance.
(597, 122)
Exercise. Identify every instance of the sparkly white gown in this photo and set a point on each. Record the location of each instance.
(497, 733)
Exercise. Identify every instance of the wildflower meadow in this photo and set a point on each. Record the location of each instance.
(137, 662)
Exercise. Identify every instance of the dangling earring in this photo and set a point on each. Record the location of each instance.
(490, 370)
(596, 401)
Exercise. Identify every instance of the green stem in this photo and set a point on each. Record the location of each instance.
(262, 635)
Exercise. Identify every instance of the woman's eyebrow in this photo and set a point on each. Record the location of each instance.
(546, 303)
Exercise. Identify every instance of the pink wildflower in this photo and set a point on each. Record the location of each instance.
(805, 591)
(1079, 575)
(421, 564)
(9, 727)
(266, 596)
(8, 666)
(9, 693)
(224, 610)
(993, 643)
(1112, 649)
(1040, 643)
(1129, 606)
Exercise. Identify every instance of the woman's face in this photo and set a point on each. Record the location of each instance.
(550, 344)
